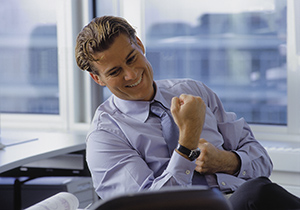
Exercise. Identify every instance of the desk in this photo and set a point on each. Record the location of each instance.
(48, 144)
(42, 145)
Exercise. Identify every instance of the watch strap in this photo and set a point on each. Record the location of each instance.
(191, 154)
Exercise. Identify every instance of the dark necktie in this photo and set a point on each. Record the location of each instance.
(169, 127)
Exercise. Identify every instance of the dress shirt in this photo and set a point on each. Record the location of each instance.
(126, 151)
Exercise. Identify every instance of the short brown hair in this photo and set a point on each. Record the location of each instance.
(98, 36)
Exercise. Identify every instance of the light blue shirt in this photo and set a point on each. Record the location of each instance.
(126, 151)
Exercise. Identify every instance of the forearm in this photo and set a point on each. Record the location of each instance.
(124, 170)
(230, 162)
(238, 138)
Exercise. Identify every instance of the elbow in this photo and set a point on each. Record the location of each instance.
(270, 167)
(264, 165)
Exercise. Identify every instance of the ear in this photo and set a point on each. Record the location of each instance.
(140, 44)
(97, 79)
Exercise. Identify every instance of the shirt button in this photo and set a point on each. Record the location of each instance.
(223, 183)
(244, 173)
(187, 172)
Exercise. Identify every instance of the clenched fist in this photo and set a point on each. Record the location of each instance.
(189, 114)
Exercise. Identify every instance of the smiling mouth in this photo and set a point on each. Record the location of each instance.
(137, 83)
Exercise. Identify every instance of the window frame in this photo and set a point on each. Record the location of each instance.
(290, 132)
(74, 85)
(79, 95)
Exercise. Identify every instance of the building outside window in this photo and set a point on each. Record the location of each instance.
(28, 57)
(237, 48)
(239, 52)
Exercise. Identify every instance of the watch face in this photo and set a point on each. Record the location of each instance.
(194, 154)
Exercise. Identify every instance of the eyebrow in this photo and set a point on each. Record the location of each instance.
(112, 69)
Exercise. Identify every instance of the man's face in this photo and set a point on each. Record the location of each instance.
(124, 69)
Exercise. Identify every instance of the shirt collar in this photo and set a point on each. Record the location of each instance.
(139, 110)
(159, 97)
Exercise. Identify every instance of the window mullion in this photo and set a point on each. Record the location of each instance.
(293, 70)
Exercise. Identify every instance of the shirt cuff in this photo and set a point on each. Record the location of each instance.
(245, 164)
(181, 169)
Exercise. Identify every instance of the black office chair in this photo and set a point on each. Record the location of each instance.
(173, 198)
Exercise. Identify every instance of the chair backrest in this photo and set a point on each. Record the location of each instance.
(173, 198)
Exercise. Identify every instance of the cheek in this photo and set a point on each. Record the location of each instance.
(114, 83)
(149, 67)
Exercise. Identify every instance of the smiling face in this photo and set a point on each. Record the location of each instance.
(124, 69)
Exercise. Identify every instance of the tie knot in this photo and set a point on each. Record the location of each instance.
(157, 109)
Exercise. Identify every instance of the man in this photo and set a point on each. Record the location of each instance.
(130, 147)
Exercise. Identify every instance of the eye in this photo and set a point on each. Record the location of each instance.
(131, 59)
(115, 72)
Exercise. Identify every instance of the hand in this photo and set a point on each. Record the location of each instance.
(213, 160)
(189, 114)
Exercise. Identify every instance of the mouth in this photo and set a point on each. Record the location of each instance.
(137, 83)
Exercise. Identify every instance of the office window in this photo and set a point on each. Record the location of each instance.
(28, 57)
(237, 48)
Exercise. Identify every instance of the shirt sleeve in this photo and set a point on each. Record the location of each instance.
(125, 170)
(239, 138)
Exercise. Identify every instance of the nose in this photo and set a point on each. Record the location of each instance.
(130, 73)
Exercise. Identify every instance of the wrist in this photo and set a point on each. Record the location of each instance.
(233, 163)
(189, 142)
(188, 138)
(187, 153)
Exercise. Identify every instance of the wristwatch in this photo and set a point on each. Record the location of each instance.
(192, 154)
